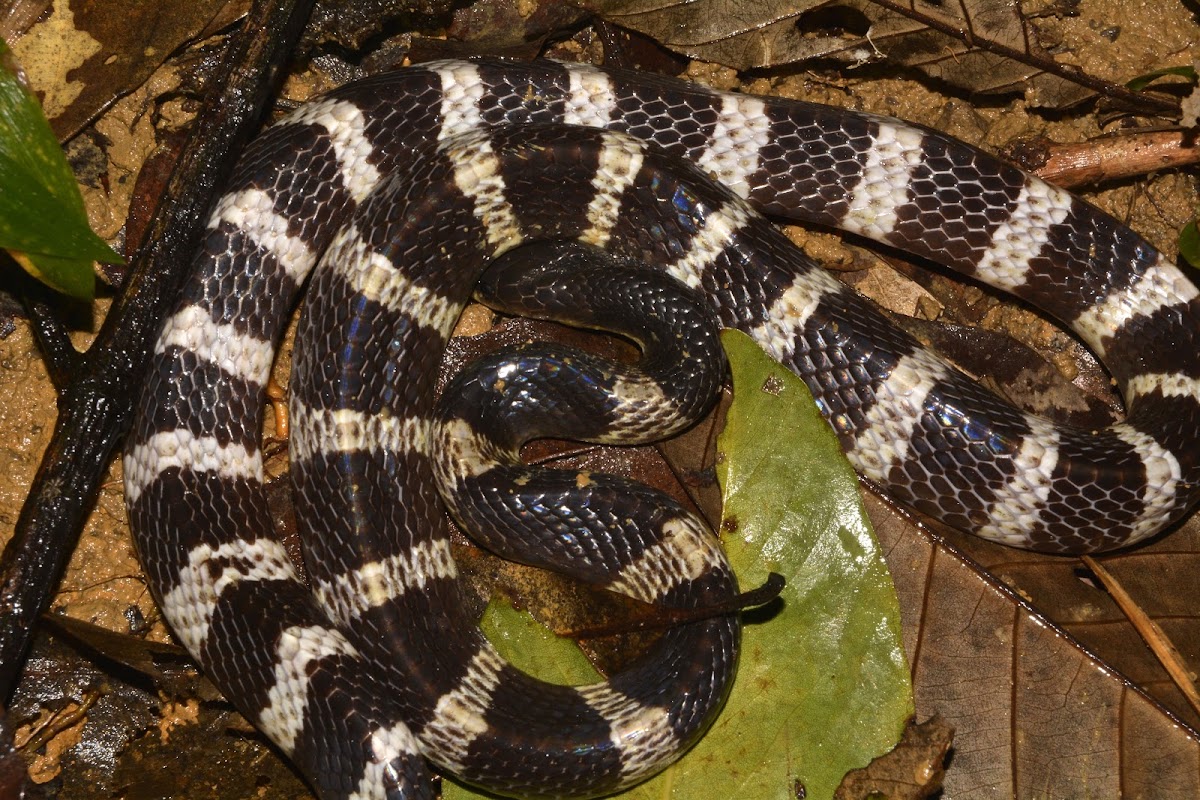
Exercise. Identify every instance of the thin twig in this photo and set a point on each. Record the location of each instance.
(1106, 158)
(60, 721)
(1137, 102)
(1149, 630)
(61, 357)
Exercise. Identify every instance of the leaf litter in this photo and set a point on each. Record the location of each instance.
(951, 653)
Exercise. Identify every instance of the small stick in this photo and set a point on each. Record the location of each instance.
(1105, 158)
(1149, 630)
(277, 397)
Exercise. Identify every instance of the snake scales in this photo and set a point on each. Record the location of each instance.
(408, 183)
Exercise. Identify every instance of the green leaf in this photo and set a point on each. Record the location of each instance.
(1142, 81)
(833, 660)
(532, 647)
(1189, 244)
(823, 686)
(42, 219)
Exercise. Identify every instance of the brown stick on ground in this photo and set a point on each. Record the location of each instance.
(1105, 158)
(1158, 642)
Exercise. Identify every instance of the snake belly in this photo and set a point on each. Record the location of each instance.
(403, 186)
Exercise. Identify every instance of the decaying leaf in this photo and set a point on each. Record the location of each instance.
(1035, 714)
(1157, 575)
(350, 22)
(982, 46)
(17, 15)
(1191, 105)
(912, 770)
(90, 54)
(101, 714)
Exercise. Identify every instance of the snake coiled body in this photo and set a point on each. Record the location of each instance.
(408, 183)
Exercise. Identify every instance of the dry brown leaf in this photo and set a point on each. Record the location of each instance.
(17, 16)
(978, 45)
(1161, 579)
(1150, 631)
(89, 54)
(1035, 714)
(913, 770)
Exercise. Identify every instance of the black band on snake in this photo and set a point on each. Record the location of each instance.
(403, 187)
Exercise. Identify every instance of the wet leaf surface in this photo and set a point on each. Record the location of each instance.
(846, 701)
(113, 713)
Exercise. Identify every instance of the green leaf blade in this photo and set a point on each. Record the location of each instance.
(824, 686)
(532, 647)
(42, 218)
(1189, 244)
(1139, 83)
